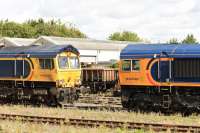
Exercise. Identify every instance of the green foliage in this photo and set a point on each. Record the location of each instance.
(173, 41)
(36, 28)
(125, 36)
(115, 36)
(115, 65)
(190, 39)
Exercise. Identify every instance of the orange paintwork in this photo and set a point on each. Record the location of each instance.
(143, 77)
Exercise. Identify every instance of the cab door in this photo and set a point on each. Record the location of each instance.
(164, 70)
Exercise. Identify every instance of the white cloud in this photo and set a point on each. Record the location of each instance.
(156, 20)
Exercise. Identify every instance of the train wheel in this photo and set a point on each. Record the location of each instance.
(51, 101)
(125, 104)
(67, 96)
(125, 98)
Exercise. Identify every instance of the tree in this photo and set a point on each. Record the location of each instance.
(36, 28)
(115, 36)
(173, 41)
(125, 36)
(190, 39)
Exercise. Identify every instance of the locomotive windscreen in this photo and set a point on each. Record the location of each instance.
(186, 70)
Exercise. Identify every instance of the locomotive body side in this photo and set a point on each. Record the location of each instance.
(148, 74)
(154, 78)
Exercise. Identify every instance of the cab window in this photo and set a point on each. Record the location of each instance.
(46, 63)
(63, 62)
(74, 63)
(135, 65)
(126, 65)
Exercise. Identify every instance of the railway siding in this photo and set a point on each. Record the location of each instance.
(96, 102)
(34, 119)
(134, 125)
(98, 99)
(156, 127)
(94, 107)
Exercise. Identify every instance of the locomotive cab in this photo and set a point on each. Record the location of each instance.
(130, 71)
(68, 76)
(68, 69)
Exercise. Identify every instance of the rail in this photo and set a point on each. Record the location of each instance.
(89, 106)
(82, 122)
(33, 119)
(95, 99)
(156, 127)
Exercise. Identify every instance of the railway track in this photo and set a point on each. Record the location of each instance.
(89, 106)
(98, 99)
(96, 102)
(33, 119)
(134, 125)
(156, 127)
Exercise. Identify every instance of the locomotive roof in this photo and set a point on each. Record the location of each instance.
(42, 51)
(160, 50)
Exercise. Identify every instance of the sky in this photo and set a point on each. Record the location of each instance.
(154, 20)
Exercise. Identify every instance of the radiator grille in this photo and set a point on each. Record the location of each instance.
(186, 68)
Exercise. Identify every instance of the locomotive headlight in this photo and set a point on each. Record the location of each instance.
(60, 81)
(69, 79)
(78, 81)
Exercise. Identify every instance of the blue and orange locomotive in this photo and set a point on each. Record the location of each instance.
(160, 76)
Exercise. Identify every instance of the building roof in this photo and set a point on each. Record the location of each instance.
(80, 43)
(7, 41)
(161, 50)
(83, 43)
(43, 51)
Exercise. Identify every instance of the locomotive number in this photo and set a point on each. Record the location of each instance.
(132, 78)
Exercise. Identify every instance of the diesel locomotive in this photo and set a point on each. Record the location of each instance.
(160, 77)
(47, 74)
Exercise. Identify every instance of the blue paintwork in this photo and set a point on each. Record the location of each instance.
(154, 71)
(164, 71)
(42, 51)
(164, 74)
(160, 50)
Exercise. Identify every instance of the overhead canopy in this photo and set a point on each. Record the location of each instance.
(161, 50)
(43, 51)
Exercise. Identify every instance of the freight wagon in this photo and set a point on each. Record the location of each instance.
(96, 79)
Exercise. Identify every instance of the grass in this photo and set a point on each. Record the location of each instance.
(19, 127)
(75, 113)
(103, 115)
